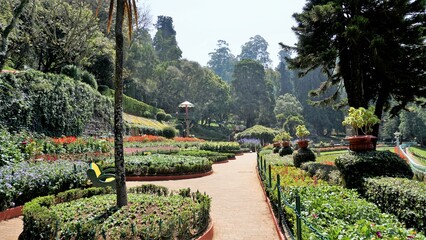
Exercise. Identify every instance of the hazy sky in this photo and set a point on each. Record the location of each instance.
(199, 24)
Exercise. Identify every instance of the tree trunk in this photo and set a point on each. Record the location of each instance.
(120, 173)
(5, 33)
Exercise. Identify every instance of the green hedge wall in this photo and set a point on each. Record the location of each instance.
(357, 166)
(48, 103)
(404, 198)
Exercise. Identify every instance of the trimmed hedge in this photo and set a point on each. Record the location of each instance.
(51, 104)
(265, 134)
(404, 198)
(357, 166)
(220, 146)
(285, 151)
(303, 155)
(212, 156)
(322, 171)
(24, 181)
(152, 213)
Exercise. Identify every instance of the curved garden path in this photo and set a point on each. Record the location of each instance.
(239, 209)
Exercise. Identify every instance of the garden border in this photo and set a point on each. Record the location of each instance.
(11, 213)
(168, 177)
(208, 235)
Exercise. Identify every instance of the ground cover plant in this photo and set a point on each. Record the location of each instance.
(152, 213)
(162, 164)
(24, 181)
(220, 146)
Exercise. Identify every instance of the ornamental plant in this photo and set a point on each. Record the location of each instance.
(362, 119)
(282, 136)
(302, 132)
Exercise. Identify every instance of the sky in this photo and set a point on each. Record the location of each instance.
(199, 24)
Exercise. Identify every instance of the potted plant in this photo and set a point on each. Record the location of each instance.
(362, 121)
(302, 132)
(283, 137)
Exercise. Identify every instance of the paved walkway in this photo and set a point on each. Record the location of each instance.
(239, 210)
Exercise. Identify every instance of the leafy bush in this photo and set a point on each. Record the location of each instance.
(212, 156)
(266, 135)
(182, 216)
(319, 170)
(357, 166)
(169, 132)
(303, 155)
(161, 164)
(285, 151)
(10, 148)
(51, 104)
(88, 78)
(161, 116)
(220, 146)
(71, 71)
(404, 198)
(24, 181)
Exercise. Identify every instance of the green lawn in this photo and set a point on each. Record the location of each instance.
(419, 154)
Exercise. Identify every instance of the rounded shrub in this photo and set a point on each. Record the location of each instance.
(161, 116)
(169, 132)
(88, 78)
(355, 166)
(276, 149)
(168, 117)
(71, 71)
(285, 151)
(303, 155)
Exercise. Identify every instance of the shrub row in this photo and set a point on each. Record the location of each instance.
(51, 104)
(212, 156)
(152, 213)
(404, 198)
(336, 212)
(161, 164)
(11, 148)
(220, 146)
(357, 166)
(323, 171)
(24, 181)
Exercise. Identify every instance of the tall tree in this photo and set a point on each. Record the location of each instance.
(120, 173)
(286, 85)
(248, 86)
(375, 49)
(165, 43)
(222, 61)
(4, 32)
(256, 49)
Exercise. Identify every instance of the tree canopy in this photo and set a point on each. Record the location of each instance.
(375, 49)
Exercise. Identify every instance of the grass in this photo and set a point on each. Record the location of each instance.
(419, 154)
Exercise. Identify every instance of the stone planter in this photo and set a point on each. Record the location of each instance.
(361, 143)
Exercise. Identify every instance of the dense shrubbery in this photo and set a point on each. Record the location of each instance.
(266, 135)
(160, 164)
(322, 171)
(51, 104)
(285, 151)
(303, 155)
(12, 149)
(24, 181)
(159, 215)
(404, 198)
(212, 156)
(220, 146)
(134, 107)
(357, 166)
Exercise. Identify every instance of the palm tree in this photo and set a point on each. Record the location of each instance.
(124, 7)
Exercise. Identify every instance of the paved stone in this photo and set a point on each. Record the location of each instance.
(239, 210)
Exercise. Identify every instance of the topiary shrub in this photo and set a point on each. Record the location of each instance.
(276, 149)
(404, 198)
(285, 151)
(355, 166)
(169, 132)
(161, 116)
(88, 78)
(319, 170)
(303, 155)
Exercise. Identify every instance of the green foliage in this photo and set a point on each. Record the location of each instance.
(169, 132)
(355, 166)
(11, 148)
(90, 79)
(160, 116)
(220, 146)
(322, 171)
(282, 136)
(160, 164)
(51, 104)
(402, 197)
(71, 71)
(285, 151)
(210, 155)
(302, 132)
(362, 119)
(256, 49)
(133, 106)
(222, 61)
(303, 155)
(101, 218)
(165, 43)
(265, 134)
(24, 181)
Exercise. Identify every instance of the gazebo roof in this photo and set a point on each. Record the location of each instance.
(186, 104)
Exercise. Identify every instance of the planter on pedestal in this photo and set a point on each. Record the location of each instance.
(303, 143)
(361, 143)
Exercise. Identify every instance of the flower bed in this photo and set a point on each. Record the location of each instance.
(24, 181)
(144, 150)
(152, 213)
(220, 146)
(212, 156)
(163, 165)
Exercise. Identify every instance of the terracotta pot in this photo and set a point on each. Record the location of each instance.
(286, 143)
(276, 144)
(303, 143)
(361, 143)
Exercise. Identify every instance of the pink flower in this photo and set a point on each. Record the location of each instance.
(379, 234)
